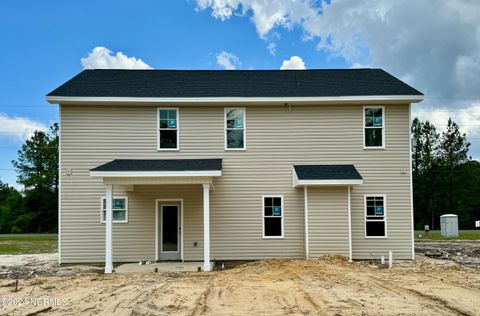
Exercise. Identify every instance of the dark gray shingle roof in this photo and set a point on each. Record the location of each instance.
(233, 83)
(327, 172)
(161, 165)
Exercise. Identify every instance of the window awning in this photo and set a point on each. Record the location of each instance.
(125, 168)
(325, 175)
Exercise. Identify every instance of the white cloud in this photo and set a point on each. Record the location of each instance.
(432, 45)
(228, 61)
(103, 58)
(19, 128)
(272, 48)
(468, 118)
(266, 14)
(294, 62)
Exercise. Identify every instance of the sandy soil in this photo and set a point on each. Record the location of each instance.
(326, 286)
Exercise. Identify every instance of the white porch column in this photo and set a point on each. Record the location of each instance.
(206, 227)
(108, 229)
(349, 225)
(307, 242)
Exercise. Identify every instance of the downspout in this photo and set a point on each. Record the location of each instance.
(305, 200)
(349, 211)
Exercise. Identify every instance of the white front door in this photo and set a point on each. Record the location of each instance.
(169, 232)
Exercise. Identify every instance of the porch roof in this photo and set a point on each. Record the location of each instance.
(159, 168)
(305, 175)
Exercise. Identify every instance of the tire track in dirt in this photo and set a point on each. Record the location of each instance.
(435, 302)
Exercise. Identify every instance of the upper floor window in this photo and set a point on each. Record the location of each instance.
(167, 128)
(373, 127)
(375, 216)
(235, 128)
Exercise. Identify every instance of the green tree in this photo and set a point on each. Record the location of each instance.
(453, 152)
(37, 168)
(11, 208)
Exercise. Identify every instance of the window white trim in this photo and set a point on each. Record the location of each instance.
(177, 129)
(113, 210)
(225, 110)
(282, 216)
(383, 126)
(384, 196)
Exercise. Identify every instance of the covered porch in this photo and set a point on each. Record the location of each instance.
(129, 174)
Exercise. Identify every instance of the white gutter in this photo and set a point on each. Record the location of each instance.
(233, 100)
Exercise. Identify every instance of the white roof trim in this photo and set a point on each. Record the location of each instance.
(206, 173)
(233, 100)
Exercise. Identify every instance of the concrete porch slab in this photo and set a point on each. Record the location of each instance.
(161, 266)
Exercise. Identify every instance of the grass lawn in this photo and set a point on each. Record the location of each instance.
(12, 244)
(435, 235)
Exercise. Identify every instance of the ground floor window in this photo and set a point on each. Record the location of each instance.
(375, 216)
(273, 216)
(120, 209)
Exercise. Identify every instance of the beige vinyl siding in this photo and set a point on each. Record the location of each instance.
(328, 220)
(276, 139)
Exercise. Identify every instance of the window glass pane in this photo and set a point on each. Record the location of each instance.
(268, 211)
(119, 204)
(268, 201)
(163, 123)
(168, 139)
(377, 112)
(368, 121)
(163, 114)
(235, 138)
(373, 137)
(119, 215)
(230, 123)
(277, 201)
(368, 112)
(370, 210)
(104, 204)
(172, 123)
(104, 215)
(375, 229)
(273, 226)
(277, 211)
(172, 114)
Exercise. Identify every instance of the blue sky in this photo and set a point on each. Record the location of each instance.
(43, 42)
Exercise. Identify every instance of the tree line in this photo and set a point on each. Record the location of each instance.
(445, 180)
(33, 209)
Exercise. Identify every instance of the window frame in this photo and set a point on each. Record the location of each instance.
(115, 198)
(225, 110)
(384, 196)
(365, 127)
(177, 128)
(282, 216)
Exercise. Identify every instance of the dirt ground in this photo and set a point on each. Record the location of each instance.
(464, 252)
(326, 286)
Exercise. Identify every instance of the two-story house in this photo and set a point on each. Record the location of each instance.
(234, 165)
